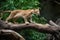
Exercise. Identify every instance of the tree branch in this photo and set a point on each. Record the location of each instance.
(16, 35)
(40, 27)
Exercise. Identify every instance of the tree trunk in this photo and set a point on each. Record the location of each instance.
(50, 9)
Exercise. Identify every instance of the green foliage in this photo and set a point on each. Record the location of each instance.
(18, 4)
(4, 16)
(38, 19)
(29, 34)
(32, 34)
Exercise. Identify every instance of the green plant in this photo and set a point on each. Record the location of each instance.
(32, 34)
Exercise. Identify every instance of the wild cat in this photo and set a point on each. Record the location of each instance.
(26, 14)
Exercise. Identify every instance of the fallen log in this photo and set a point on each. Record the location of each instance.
(43, 27)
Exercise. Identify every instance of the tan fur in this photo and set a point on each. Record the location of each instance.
(23, 13)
